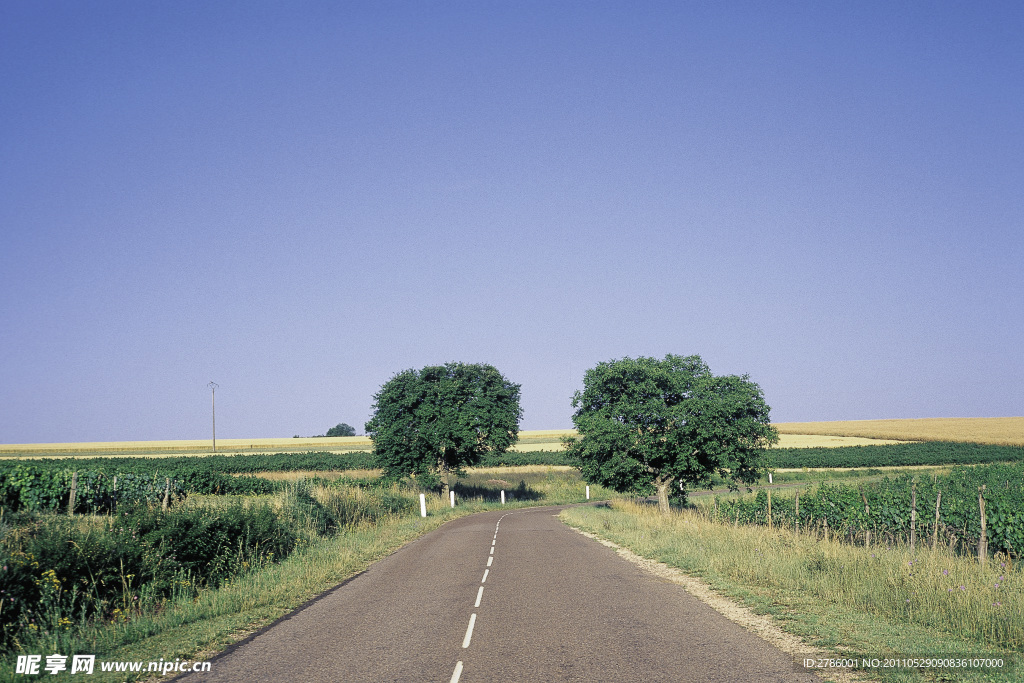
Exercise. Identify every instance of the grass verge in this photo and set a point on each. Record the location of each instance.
(847, 600)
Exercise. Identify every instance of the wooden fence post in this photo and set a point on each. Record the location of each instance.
(913, 515)
(867, 513)
(935, 532)
(797, 528)
(983, 541)
(74, 492)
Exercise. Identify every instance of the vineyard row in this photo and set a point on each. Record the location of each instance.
(972, 508)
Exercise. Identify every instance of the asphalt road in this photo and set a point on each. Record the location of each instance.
(498, 596)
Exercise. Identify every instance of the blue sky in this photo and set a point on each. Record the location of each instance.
(298, 200)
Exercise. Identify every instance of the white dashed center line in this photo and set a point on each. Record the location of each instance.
(479, 596)
(469, 630)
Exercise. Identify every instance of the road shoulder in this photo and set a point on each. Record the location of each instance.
(760, 625)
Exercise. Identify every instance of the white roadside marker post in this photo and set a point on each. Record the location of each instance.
(423, 505)
(503, 497)
(588, 491)
(452, 494)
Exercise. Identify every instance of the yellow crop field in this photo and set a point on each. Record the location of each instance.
(529, 440)
(548, 440)
(785, 441)
(188, 447)
(1005, 431)
(829, 441)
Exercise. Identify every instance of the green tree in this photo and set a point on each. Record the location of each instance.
(644, 424)
(441, 419)
(341, 430)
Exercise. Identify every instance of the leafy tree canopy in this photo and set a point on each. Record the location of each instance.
(341, 430)
(441, 419)
(644, 424)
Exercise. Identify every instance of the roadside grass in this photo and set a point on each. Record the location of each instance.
(369, 524)
(853, 601)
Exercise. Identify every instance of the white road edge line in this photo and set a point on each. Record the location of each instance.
(469, 630)
(484, 580)
(479, 594)
(456, 673)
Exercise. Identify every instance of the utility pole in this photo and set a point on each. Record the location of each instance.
(213, 405)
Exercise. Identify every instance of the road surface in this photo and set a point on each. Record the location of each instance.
(504, 596)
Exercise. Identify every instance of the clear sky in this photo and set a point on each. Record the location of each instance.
(299, 199)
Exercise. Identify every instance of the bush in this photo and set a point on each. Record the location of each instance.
(62, 568)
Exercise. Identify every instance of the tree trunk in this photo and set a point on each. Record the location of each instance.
(663, 495)
(442, 469)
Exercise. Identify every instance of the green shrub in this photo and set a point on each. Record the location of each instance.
(73, 570)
